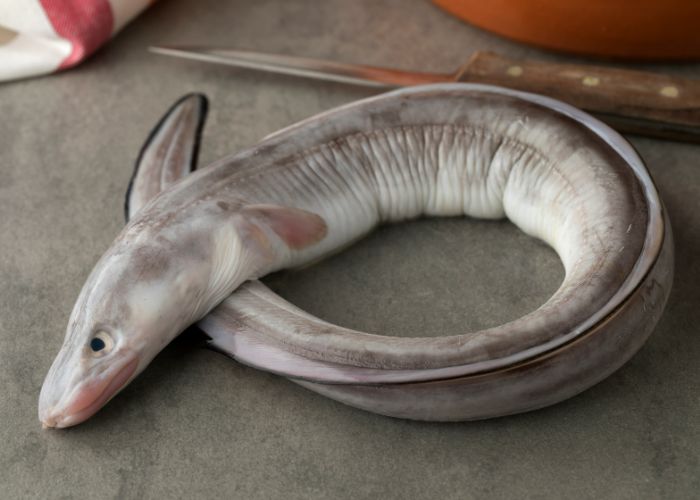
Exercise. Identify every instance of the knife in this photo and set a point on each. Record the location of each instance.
(636, 102)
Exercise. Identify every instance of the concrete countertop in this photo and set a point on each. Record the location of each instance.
(197, 424)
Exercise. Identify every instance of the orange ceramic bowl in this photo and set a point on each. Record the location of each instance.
(631, 29)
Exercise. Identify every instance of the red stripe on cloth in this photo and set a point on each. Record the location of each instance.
(87, 24)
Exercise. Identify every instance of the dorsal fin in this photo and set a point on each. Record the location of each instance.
(169, 153)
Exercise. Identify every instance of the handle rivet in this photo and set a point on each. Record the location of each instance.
(515, 71)
(669, 91)
(590, 81)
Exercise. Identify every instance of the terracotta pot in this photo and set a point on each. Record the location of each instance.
(631, 29)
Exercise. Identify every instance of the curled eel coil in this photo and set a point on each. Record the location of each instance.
(610, 229)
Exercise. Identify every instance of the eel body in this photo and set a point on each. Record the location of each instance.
(438, 150)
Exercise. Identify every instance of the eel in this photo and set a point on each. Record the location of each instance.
(314, 187)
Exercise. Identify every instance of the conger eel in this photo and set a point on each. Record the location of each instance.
(194, 247)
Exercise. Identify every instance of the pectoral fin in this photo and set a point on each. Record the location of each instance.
(169, 153)
(297, 228)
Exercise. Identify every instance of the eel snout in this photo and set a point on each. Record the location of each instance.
(63, 404)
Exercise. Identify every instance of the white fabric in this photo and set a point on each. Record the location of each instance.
(30, 44)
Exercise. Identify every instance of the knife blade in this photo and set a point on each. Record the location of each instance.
(638, 102)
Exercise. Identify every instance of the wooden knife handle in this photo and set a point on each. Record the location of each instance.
(638, 102)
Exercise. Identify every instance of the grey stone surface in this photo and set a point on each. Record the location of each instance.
(197, 424)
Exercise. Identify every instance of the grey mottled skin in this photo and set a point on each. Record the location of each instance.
(319, 185)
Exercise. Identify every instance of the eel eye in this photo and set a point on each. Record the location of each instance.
(101, 343)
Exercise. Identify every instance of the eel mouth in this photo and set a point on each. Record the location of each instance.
(88, 397)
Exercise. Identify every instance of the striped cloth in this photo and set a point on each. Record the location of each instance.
(42, 36)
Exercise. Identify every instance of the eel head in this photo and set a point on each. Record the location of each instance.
(137, 299)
